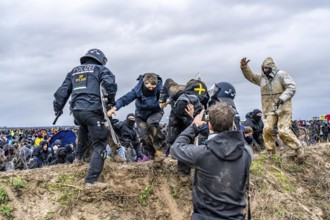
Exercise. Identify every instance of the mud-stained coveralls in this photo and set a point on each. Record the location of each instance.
(279, 85)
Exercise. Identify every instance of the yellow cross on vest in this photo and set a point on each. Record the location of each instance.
(200, 89)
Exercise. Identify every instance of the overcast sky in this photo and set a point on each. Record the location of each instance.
(41, 41)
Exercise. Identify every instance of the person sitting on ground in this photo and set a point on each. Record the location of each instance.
(40, 155)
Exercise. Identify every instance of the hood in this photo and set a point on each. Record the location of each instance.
(255, 114)
(228, 145)
(248, 115)
(269, 62)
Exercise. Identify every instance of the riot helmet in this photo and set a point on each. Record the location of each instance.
(95, 54)
(223, 92)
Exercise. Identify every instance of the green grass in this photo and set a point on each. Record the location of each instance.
(62, 183)
(285, 181)
(50, 215)
(67, 197)
(280, 211)
(144, 195)
(257, 165)
(18, 183)
(175, 192)
(3, 196)
(277, 160)
(6, 211)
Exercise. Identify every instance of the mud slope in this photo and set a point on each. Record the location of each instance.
(280, 189)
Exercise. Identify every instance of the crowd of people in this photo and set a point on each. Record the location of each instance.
(30, 148)
(34, 148)
(204, 130)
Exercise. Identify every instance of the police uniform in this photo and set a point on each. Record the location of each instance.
(83, 84)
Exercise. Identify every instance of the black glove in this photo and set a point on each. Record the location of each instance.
(279, 102)
(111, 100)
(57, 108)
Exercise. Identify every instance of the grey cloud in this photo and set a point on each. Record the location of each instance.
(42, 41)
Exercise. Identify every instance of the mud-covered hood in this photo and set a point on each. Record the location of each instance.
(269, 62)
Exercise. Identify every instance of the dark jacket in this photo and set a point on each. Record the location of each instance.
(256, 124)
(222, 167)
(127, 134)
(181, 104)
(145, 105)
(84, 84)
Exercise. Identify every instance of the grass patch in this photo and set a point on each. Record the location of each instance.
(3, 196)
(63, 182)
(175, 192)
(257, 165)
(67, 179)
(18, 183)
(285, 181)
(50, 215)
(277, 160)
(144, 195)
(6, 211)
(67, 198)
(280, 211)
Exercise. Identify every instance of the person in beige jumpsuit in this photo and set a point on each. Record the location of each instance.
(277, 89)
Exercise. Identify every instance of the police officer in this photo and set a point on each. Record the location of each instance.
(225, 92)
(83, 84)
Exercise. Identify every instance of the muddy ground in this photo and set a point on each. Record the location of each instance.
(280, 189)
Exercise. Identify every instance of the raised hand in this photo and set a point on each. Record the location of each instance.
(244, 61)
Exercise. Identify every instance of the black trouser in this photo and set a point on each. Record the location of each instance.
(175, 127)
(91, 126)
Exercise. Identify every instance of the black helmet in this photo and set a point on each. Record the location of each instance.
(96, 54)
(223, 91)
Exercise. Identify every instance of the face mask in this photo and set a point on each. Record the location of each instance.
(257, 117)
(269, 71)
(248, 139)
(130, 123)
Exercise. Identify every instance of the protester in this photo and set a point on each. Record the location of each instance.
(221, 165)
(147, 113)
(194, 93)
(253, 119)
(277, 89)
(129, 139)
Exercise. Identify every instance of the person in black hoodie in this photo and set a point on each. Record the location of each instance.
(221, 165)
(253, 119)
(129, 138)
(41, 155)
(193, 95)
